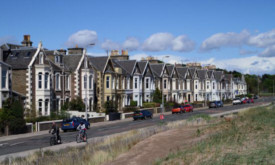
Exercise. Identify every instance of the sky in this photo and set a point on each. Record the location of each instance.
(233, 35)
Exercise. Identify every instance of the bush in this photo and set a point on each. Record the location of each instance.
(157, 96)
(149, 105)
(129, 109)
(12, 116)
(77, 104)
(110, 107)
(133, 103)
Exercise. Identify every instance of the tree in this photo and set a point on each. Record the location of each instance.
(77, 104)
(110, 107)
(12, 117)
(157, 96)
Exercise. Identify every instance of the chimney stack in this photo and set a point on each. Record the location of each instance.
(27, 41)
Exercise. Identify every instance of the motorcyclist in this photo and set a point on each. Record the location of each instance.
(82, 129)
(55, 130)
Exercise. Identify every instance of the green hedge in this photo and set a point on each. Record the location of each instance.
(149, 105)
(129, 109)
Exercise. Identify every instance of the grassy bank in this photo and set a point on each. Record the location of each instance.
(99, 150)
(247, 139)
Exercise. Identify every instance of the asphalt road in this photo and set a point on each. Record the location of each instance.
(40, 141)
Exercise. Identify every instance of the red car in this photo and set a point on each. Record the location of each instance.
(250, 100)
(177, 109)
(188, 108)
(245, 101)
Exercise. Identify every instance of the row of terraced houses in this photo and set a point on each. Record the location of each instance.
(46, 79)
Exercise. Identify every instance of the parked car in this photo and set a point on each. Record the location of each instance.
(215, 104)
(72, 123)
(178, 109)
(249, 100)
(244, 101)
(255, 97)
(142, 114)
(220, 104)
(188, 108)
(237, 101)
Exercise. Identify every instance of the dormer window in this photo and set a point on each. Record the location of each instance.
(57, 59)
(41, 58)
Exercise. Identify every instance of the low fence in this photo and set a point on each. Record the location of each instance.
(46, 125)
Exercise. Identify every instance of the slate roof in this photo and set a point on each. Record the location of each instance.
(98, 62)
(20, 59)
(202, 74)
(116, 64)
(71, 61)
(218, 75)
(182, 71)
(170, 69)
(142, 65)
(128, 65)
(228, 77)
(210, 72)
(157, 68)
(192, 71)
(54, 66)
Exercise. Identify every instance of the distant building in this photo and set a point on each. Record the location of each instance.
(210, 67)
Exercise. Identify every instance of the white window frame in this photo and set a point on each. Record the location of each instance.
(40, 77)
(147, 83)
(91, 81)
(57, 81)
(136, 83)
(107, 82)
(46, 80)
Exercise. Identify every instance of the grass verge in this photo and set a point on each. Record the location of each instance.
(247, 139)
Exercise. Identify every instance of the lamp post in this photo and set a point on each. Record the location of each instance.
(163, 85)
(86, 83)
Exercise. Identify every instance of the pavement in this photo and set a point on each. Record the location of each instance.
(25, 143)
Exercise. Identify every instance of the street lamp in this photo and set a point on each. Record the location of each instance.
(86, 75)
(163, 85)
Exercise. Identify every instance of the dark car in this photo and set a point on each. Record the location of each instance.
(220, 103)
(215, 104)
(255, 97)
(143, 114)
(73, 123)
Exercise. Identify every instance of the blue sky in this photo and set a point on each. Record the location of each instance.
(236, 35)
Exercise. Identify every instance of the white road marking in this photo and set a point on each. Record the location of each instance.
(16, 143)
(3, 144)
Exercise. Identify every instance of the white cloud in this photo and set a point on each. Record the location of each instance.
(158, 42)
(131, 44)
(7, 39)
(263, 39)
(245, 52)
(110, 45)
(166, 41)
(82, 38)
(250, 65)
(229, 39)
(268, 52)
(183, 44)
